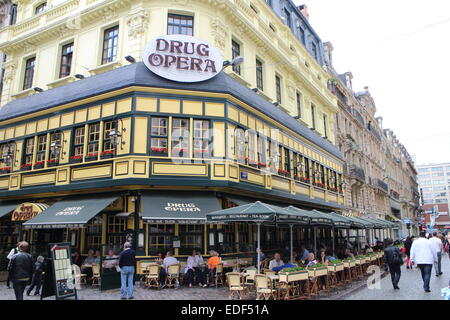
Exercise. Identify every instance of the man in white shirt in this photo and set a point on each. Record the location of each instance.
(424, 254)
(437, 243)
(194, 266)
(168, 261)
(276, 262)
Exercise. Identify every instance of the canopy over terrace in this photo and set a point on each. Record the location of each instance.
(259, 213)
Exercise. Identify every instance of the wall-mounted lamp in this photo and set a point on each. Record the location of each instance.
(130, 59)
(235, 62)
(276, 104)
(255, 90)
(79, 76)
(56, 146)
(8, 154)
(37, 89)
(116, 134)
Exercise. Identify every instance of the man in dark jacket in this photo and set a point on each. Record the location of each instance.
(127, 260)
(394, 260)
(20, 270)
(37, 276)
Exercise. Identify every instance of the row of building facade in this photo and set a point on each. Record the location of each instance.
(97, 149)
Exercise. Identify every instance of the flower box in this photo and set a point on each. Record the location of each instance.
(5, 170)
(293, 276)
(336, 267)
(318, 272)
(107, 155)
(26, 167)
(91, 157)
(262, 165)
(52, 163)
(38, 165)
(76, 159)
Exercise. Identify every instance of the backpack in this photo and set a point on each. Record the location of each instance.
(396, 257)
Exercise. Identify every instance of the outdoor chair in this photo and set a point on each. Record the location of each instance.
(218, 277)
(269, 272)
(250, 279)
(264, 287)
(237, 290)
(96, 275)
(173, 275)
(152, 276)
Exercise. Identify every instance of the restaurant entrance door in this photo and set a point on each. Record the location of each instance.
(43, 237)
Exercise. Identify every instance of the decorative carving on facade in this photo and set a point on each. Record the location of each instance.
(219, 32)
(137, 23)
(108, 14)
(10, 68)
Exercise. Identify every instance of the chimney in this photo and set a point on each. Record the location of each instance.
(304, 10)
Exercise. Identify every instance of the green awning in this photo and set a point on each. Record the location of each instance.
(339, 222)
(314, 218)
(369, 223)
(6, 209)
(70, 213)
(355, 224)
(169, 207)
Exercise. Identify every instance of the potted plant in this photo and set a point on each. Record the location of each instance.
(293, 274)
(5, 170)
(318, 270)
(38, 165)
(107, 154)
(26, 167)
(360, 259)
(91, 157)
(349, 262)
(335, 265)
(158, 151)
(52, 163)
(76, 159)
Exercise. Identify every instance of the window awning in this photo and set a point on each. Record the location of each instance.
(167, 207)
(7, 208)
(70, 213)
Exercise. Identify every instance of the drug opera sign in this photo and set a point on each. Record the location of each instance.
(182, 58)
(27, 211)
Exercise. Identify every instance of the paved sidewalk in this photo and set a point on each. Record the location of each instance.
(411, 286)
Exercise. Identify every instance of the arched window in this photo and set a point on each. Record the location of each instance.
(40, 8)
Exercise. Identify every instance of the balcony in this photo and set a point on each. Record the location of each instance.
(395, 195)
(358, 116)
(382, 185)
(357, 172)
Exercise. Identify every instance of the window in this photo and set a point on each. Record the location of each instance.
(94, 233)
(160, 238)
(202, 139)
(259, 75)
(287, 15)
(243, 235)
(252, 142)
(438, 181)
(29, 150)
(436, 189)
(313, 116)
(180, 137)
(241, 148)
(179, 24)
(314, 50)
(29, 73)
(66, 60)
(301, 34)
(424, 170)
(191, 237)
(40, 8)
(437, 169)
(41, 148)
(262, 152)
(78, 142)
(236, 52)
(299, 105)
(109, 126)
(13, 15)
(278, 88)
(159, 137)
(93, 139)
(55, 140)
(325, 126)
(110, 44)
(287, 161)
(116, 231)
(437, 174)
(269, 2)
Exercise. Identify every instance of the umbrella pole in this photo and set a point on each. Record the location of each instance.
(332, 235)
(315, 240)
(292, 243)
(259, 248)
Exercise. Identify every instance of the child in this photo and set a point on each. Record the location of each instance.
(37, 275)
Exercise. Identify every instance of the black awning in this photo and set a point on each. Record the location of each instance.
(166, 207)
(70, 213)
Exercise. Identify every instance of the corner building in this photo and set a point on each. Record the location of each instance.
(90, 143)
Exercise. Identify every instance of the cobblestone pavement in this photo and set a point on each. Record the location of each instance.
(411, 286)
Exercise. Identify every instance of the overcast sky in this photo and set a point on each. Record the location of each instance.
(401, 50)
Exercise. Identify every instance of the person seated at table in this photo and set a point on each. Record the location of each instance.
(349, 254)
(303, 253)
(194, 267)
(261, 255)
(213, 261)
(276, 261)
(111, 262)
(159, 258)
(311, 260)
(368, 249)
(330, 255)
(76, 258)
(98, 256)
(86, 267)
(322, 257)
(167, 262)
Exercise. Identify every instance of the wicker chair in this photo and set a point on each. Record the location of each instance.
(263, 287)
(173, 275)
(96, 275)
(269, 272)
(152, 275)
(237, 290)
(218, 277)
(250, 279)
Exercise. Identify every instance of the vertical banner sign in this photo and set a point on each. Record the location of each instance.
(61, 269)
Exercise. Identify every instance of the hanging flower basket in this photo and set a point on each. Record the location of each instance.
(26, 167)
(75, 159)
(107, 154)
(91, 157)
(38, 165)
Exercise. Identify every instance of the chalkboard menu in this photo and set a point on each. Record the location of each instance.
(61, 275)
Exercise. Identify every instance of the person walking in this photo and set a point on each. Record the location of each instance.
(127, 261)
(37, 276)
(20, 269)
(394, 260)
(9, 256)
(408, 244)
(424, 255)
(437, 243)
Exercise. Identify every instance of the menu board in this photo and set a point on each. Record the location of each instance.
(63, 278)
